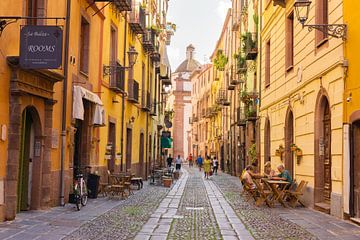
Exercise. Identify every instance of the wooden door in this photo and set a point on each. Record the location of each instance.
(141, 156)
(289, 139)
(356, 170)
(112, 143)
(327, 154)
(128, 148)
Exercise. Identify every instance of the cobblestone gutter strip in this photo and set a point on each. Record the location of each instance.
(260, 221)
(125, 220)
(196, 219)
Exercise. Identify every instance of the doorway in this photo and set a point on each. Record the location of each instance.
(29, 169)
(289, 140)
(323, 184)
(112, 143)
(267, 141)
(128, 148)
(355, 171)
(141, 156)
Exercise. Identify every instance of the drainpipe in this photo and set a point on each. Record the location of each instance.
(260, 51)
(64, 96)
(123, 95)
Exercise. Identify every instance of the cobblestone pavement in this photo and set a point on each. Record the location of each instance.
(194, 209)
(283, 223)
(102, 218)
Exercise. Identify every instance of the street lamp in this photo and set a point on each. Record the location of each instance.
(132, 54)
(302, 9)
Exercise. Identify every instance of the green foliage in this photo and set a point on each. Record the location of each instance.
(220, 61)
(240, 63)
(252, 152)
(247, 41)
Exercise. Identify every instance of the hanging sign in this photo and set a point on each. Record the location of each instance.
(41, 47)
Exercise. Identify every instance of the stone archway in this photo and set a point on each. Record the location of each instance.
(289, 139)
(322, 146)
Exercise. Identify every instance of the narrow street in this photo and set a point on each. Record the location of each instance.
(193, 208)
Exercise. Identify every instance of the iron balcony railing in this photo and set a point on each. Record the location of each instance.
(250, 45)
(117, 77)
(137, 18)
(222, 98)
(133, 91)
(148, 40)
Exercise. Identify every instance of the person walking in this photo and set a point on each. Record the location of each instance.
(178, 162)
(199, 162)
(215, 165)
(190, 159)
(169, 161)
(207, 167)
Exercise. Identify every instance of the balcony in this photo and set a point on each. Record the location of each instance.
(235, 77)
(120, 5)
(137, 19)
(117, 78)
(250, 45)
(241, 117)
(222, 98)
(145, 101)
(133, 91)
(155, 56)
(148, 41)
(231, 87)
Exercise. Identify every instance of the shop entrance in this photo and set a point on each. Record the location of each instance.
(29, 166)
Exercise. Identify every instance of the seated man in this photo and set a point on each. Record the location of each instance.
(247, 177)
(284, 175)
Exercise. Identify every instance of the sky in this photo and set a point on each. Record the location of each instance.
(198, 22)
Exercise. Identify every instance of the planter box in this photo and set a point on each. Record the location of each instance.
(167, 182)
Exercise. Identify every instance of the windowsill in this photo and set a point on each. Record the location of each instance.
(322, 42)
(84, 74)
(289, 68)
(267, 86)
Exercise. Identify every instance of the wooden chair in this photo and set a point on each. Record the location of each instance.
(127, 183)
(252, 193)
(294, 195)
(264, 194)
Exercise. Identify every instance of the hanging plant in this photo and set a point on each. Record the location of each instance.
(220, 61)
(247, 42)
(245, 97)
(240, 63)
(298, 152)
(293, 147)
(252, 153)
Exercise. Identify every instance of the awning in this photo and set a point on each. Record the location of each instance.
(166, 142)
(78, 106)
(165, 67)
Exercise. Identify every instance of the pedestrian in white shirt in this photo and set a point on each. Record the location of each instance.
(178, 162)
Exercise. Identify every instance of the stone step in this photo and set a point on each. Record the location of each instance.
(323, 207)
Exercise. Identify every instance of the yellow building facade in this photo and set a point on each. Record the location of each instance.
(302, 82)
(351, 112)
(113, 107)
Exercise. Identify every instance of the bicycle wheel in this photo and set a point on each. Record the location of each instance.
(84, 196)
(77, 197)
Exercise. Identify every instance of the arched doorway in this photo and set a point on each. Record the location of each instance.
(29, 181)
(267, 141)
(322, 193)
(289, 140)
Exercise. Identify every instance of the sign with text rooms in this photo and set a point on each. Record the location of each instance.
(41, 47)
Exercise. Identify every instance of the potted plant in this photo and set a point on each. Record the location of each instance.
(293, 147)
(220, 61)
(252, 153)
(298, 152)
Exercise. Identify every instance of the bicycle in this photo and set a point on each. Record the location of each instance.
(80, 191)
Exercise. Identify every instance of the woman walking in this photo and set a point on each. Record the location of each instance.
(207, 167)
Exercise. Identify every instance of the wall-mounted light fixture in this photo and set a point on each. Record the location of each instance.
(302, 9)
(132, 55)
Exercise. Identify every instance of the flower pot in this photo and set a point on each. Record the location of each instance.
(293, 149)
(167, 182)
(277, 153)
(299, 153)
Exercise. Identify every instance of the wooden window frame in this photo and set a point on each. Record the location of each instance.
(321, 17)
(267, 63)
(84, 42)
(289, 42)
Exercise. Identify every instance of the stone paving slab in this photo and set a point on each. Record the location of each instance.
(283, 223)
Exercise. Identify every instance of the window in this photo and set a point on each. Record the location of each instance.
(289, 49)
(267, 64)
(35, 8)
(113, 45)
(321, 18)
(84, 46)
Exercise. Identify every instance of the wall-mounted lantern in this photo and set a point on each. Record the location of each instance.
(302, 9)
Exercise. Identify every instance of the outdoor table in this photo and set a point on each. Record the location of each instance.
(278, 189)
